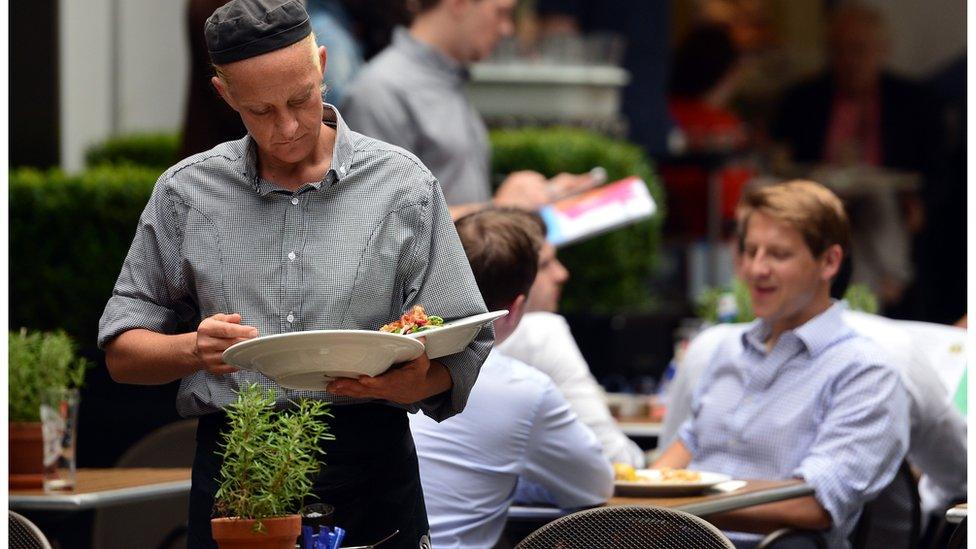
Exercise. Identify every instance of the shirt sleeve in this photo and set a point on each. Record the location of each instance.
(861, 442)
(564, 457)
(150, 292)
(441, 281)
(545, 342)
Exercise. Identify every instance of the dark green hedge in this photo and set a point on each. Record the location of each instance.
(69, 234)
(68, 237)
(609, 273)
(157, 150)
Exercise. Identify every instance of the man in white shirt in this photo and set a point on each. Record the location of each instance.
(543, 340)
(516, 424)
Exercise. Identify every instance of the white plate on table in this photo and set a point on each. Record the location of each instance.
(309, 360)
(454, 336)
(653, 486)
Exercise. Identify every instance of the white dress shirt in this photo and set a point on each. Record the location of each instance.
(543, 340)
(516, 424)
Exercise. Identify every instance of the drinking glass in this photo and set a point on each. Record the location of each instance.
(59, 425)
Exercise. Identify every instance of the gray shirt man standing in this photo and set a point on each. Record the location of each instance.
(412, 95)
(301, 225)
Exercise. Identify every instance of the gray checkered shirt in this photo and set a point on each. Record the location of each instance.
(352, 251)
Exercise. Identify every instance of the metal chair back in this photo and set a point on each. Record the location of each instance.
(24, 534)
(627, 527)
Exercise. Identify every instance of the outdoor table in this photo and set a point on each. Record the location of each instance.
(755, 492)
(640, 429)
(104, 487)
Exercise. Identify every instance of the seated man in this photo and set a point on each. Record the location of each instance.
(799, 394)
(516, 423)
(543, 341)
(938, 431)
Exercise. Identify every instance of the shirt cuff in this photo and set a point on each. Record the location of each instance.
(123, 313)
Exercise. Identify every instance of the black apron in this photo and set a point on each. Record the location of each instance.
(370, 476)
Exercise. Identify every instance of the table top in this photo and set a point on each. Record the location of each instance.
(755, 492)
(103, 487)
(640, 428)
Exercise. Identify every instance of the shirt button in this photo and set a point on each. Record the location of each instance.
(290, 318)
(294, 201)
(291, 256)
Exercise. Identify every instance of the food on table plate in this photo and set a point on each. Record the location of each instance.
(626, 473)
(679, 475)
(413, 321)
(623, 471)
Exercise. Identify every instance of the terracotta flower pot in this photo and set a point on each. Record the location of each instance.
(234, 533)
(26, 455)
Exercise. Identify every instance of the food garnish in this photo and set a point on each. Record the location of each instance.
(413, 321)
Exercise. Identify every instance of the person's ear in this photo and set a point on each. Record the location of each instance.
(323, 56)
(831, 261)
(517, 307)
(221, 88)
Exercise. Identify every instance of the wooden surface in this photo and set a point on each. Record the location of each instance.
(752, 486)
(90, 481)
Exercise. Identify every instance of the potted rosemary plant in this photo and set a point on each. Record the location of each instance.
(269, 458)
(38, 361)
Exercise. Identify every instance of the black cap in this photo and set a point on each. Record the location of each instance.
(241, 29)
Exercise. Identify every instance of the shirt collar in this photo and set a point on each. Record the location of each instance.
(816, 334)
(427, 56)
(341, 154)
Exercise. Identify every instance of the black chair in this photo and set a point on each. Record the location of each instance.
(893, 520)
(627, 527)
(958, 539)
(24, 534)
(156, 524)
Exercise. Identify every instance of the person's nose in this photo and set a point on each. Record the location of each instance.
(562, 273)
(287, 125)
(758, 265)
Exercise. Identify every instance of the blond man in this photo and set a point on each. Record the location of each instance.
(799, 394)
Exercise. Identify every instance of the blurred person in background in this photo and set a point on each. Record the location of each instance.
(353, 32)
(797, 394)
(705, 74)
(412, 95)
(517, 437)
(857, 113)
(645, 29)
(208, 120)
(543, 340)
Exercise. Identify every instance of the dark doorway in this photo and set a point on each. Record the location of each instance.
(33, 80)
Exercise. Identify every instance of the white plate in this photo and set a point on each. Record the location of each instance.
(454, 336)
(310, 360)
(653, 486)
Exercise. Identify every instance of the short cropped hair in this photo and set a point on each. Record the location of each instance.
(808, 207)
(502, 246)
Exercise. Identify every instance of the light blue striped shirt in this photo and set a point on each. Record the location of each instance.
(820, 405)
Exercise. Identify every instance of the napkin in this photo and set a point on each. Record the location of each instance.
(729, 486)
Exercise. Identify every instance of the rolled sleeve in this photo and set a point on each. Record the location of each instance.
(442, 281)
(149, 292)
(861, 444)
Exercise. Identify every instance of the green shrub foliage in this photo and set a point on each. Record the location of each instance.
(157, 150)
(609, 273)
(68, 238)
